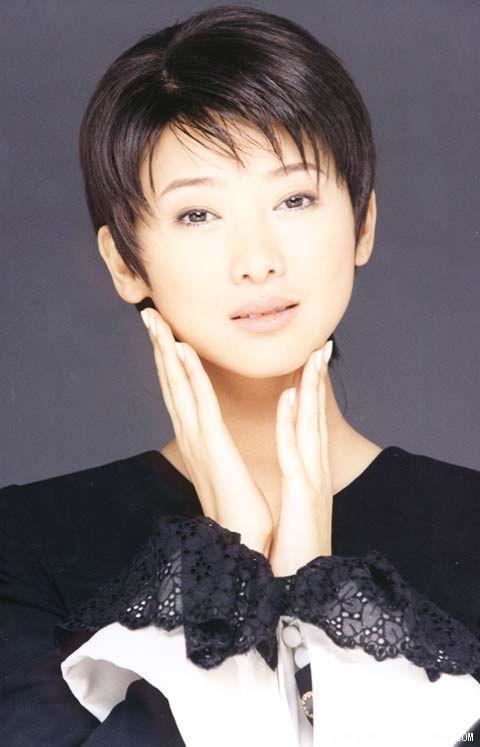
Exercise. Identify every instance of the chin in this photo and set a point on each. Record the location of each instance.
(263, 367)
(255, 356)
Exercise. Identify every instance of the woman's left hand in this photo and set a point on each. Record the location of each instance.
(305, 525)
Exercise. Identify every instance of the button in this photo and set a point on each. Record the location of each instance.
(301, 656)
(291, 636)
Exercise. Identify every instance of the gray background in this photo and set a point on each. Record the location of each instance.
(78, 382)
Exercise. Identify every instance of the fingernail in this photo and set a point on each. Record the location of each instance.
(145, 316)
(319, 359)
(328, 350)
(291, 393)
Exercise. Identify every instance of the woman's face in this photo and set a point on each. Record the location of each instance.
(213, 247)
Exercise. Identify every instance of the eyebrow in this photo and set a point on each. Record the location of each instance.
(199, 180)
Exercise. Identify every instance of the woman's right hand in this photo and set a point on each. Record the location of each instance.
(228, 494)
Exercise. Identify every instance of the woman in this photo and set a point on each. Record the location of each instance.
(270, 557)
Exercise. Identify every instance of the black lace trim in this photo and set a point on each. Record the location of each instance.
(194, 572)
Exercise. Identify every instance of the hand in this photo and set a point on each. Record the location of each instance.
(227, 492)
(305, 525)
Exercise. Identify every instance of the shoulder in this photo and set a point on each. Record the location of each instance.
(436, 483)
(56, 500)
(418, 499)
(129, 482)
(121, 472)
(136, 485)
(433, 470)
(442, 499)
(446, 495)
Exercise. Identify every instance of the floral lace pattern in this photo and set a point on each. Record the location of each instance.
(196, 573)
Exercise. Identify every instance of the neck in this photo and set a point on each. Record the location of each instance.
(249, 408)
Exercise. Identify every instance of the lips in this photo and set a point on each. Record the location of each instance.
(262, 307)
(264, 313)
(267, 323)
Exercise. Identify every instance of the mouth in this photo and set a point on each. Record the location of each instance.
(269, 322)
(266, 313)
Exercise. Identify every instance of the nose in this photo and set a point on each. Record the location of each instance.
(256, 257)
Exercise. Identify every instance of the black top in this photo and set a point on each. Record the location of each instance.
(62, 537)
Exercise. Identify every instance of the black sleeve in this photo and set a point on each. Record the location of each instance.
(143, 718)
(37, 708)
(30, 605)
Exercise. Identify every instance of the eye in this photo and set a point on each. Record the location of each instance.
(313, 200)
(180, 219)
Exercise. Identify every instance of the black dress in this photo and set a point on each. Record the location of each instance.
(63, 538)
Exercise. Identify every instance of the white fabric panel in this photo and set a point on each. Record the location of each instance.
(240, 699)
(363, 702)
(357, 700)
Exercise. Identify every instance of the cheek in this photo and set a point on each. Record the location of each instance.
(182, 293)
(329, 272)
(329, 252)
(172, 285)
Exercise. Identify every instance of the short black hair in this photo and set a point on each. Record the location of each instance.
(226, 64)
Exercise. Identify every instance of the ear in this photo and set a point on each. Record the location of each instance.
(129, 286)
(367, 234)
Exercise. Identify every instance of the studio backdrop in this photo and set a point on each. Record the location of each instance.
(78, 382)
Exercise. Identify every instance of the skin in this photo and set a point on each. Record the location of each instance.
(225, 488)
(253, 240)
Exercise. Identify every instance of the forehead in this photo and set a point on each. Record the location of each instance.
(179, 154)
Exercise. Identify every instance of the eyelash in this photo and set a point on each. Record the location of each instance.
(312, 198)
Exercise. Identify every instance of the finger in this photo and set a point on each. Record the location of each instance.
(162, 376)
(176, 388)
(203, 391)
(186, 430)
(210, 418)
(290, 463)
(322, 409)
(171, 396)
(192, 392)
(308, 434)
(297, 380)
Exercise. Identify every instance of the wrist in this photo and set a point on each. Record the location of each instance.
(261, 544)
